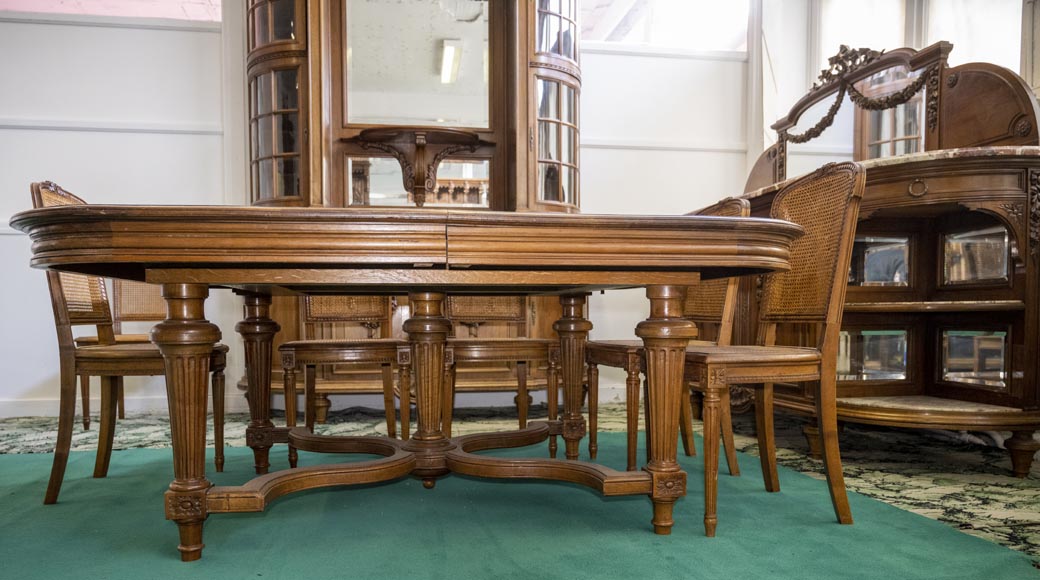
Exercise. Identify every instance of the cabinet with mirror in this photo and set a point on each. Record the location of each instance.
(942, 317)
(468, 104)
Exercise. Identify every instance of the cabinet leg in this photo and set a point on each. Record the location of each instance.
(812, 438)
(1022, 447)
(322, 404)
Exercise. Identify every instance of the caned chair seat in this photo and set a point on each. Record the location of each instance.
(78, 299)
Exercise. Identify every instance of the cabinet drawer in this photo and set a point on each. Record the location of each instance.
(943, 188)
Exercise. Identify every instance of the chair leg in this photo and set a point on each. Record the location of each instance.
(593, 410)
(713, 388)
(84, 395)
(290, 395)
(120, 401)
(686, 423)
(726, 417)
(827, 419)
(521, 393)
(448, 404)
(764, 430)
(646, 417)
(552, 396)
(66, 417)
(218, 419)
(404, 380)
(310, 397)
(388, 400)
(632, 411)
(107, 424)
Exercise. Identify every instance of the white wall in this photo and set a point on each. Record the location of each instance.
(665, 136)
(117, 111)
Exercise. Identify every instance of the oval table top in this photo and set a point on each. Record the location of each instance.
(374, 250)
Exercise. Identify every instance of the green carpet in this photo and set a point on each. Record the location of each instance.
(466, 528)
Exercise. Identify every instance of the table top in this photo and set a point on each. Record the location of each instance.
(374, 250)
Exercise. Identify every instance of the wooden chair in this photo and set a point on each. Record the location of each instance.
(826, 204)
(307, 355)
(80, 300)
(523, 352)
(711, 305)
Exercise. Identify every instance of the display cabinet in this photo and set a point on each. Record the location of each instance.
(415, 103)
(941, 327)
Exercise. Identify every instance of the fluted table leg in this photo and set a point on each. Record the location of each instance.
(258, 330)
(665, 336)
(573, 329)
(428, 333)
(186, 341)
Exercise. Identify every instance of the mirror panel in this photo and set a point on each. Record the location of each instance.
(880, 261)
(462, 183)
(872, 355)
(417, 62)
(975, 357)
(979, 255)
(376, 181)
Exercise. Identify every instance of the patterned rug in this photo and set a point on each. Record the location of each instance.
(963, 484)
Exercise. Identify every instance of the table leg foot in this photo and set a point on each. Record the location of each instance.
(663, 521)
(429, 482)
(191, 541)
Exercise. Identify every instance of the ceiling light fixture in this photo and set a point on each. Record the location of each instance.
(451, 57)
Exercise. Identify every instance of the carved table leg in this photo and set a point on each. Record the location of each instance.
(665, 336)
(258, 330)
(1022, 447)
(186, 341)
(428, 333)
(574, 334)
(552, 389)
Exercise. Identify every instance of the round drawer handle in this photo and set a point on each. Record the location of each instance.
(917, 188)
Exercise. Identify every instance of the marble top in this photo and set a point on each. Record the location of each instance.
(924, 403)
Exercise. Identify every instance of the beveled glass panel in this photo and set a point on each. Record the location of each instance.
(265, 188)
(286, 132)
(548, 99)
(287, 89)
(549, 35)
(568, 184)
(549, 182)
(263, 94)
(979, 255)
(880, 261)
(872, 355)
(874, 151)
(264, 137)
(568, 148)
(462, 183)
(261, 26)
(420, 62)
(568, 35)
(254, 147)
(975, 357)
(907, 119)
(569, 105)
(283, 20)
(287, 176)
(905, 146)
(376, 181)
(548, 144)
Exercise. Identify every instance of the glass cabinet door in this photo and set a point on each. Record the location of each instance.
(275, 134)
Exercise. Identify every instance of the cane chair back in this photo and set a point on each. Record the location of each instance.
(713, 301)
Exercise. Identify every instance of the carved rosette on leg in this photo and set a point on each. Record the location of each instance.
(574, 334)
(665, 336)
(257, 331)
(186, 341)
(428, 333)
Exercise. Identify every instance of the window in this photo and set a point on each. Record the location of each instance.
(685, 24)
(877, 24)
(202, 10)
(980, 30)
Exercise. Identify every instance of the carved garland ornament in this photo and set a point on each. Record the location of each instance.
(846, 61)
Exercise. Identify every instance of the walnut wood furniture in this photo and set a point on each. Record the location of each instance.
(947, 252)
(826, 204)
(76, 300)
(711, 305)
(315, 141)
(263, 251)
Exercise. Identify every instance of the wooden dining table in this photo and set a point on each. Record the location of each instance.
(427, 253)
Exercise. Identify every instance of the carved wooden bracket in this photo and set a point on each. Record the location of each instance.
(419, 150)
